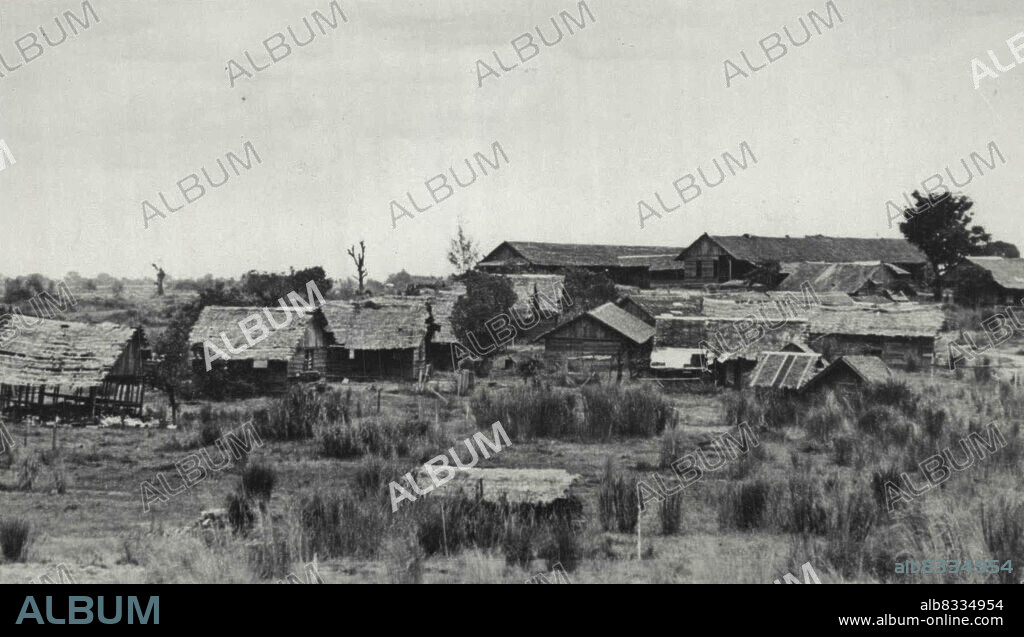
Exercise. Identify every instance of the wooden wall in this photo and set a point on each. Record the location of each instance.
(895, 351)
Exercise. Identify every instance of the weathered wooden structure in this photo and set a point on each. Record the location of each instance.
(715, 259)
(71, 370)
(293, 346)
(847, 373)
(606, 331)
(640, 266)
(855, 279)
(898, 334)
(382, 337)
(988, 281)
(730, 345)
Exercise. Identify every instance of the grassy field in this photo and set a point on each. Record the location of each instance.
(803, 495)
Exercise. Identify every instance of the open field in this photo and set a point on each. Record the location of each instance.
(762, 514)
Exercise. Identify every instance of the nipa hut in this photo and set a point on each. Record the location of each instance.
(294, 348)
(382, 337)
(69, 369)
(898, 333)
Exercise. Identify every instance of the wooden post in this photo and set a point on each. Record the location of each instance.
(379, 390)
(639, 520)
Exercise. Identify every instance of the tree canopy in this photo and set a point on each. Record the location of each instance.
(487, 296)
(941, 226)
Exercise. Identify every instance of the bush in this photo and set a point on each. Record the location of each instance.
(617, 500)
(339, 441)
(241, 514)
(540, 411)
(339, 526)
(1003, 530)
(745, 505)
(669, 513)
(258, 479)
(15, 539)
(563, 545)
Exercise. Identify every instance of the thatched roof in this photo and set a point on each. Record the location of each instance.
(380, 323)
(65, 353)
(785, 370)
(900, 320)
(848, 278)
(442, 305)
(817, 248)
(519, 486)
(580, 255)
(1008, 273)
(279, 345)
(722, 334)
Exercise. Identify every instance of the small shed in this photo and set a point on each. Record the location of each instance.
(71, 369)
(850, 372)
(295, 346)
(988, 281)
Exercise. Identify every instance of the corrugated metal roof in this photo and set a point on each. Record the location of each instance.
(785, 370)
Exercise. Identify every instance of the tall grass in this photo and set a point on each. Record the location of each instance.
(15, 539)
(1003, 530)
(597, 413)
(618, 500)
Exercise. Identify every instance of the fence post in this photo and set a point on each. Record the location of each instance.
(639, 520)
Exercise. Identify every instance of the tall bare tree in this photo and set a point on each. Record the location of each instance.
(160, 276)
(360, 261)
(462, 252)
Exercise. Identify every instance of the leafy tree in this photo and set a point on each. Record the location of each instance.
(998, 249)
(940, 225)
(401, 281)
(266, 288)
(117, 287)
(589, 289)
(462, 252)
(487, 296)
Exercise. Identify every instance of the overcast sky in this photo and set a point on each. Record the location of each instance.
(360, 116)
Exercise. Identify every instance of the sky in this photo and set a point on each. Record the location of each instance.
(367, 112)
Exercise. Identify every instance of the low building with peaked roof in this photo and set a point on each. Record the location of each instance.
(291, 345)
(70, 369)
(715, 259)
(988, 281)
(606, 331)
(848, 373)
(853, 279)
(641, 266)
(381, 337)
(898, 334)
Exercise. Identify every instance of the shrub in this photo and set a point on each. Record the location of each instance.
(563, 545)
(209, 432)
(339, 526)
(672, 448)
(669, 513)
(258, 479)
(241, 514)
(852, 517)
(1003, 530)
(806, 511)
(745, 505)
(617, 500)
(15, 539)
(339, 441)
